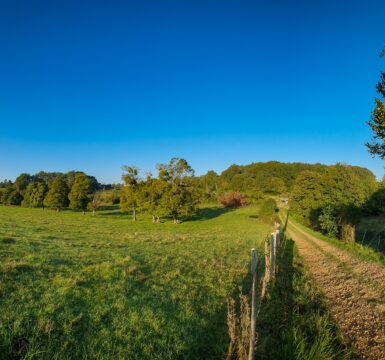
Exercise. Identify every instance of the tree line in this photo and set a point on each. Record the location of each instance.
(321, 196)
(73, 189)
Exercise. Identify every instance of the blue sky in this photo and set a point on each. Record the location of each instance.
(94, 85)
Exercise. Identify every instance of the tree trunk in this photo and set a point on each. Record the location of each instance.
(157, 219)
(134, 215)
(153, 218)
(58, 209)
(175, 219)
(84, 212)
(93, 212)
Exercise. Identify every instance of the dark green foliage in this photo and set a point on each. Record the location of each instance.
(328, 221)
(80, 192)
(34, 194)
(22, 182)
(11, 196)
(376, 203)
(57, 196)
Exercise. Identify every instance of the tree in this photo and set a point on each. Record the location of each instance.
(130, 197)
(57, 195)
(22, 182)
(377, 121)
(80, 191)
(343, 187)
(179, 197)
(34, 194)
(151, 196)
(95, 202)
(210, 183)
(11, 196)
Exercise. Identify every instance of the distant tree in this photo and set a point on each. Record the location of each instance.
(5, 183)
(22, 182)
(48, 177)
(34, 194)
(57, 195)
(130, 197)
(11, 196)
(211, 183)
(377, 121)
(80, 191)
(95, 202)
(151, 196)
(179, 198)
(275, 186)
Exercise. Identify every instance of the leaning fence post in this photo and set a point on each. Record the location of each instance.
(254, 295)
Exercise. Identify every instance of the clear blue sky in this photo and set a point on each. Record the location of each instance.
(94, 85)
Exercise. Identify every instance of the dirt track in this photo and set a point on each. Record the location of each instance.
(354, 290)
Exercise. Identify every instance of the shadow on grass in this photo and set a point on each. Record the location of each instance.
(372, 238)
(117, 213)
(294, 321)
(208, 213)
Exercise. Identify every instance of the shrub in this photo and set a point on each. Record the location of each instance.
(233, 199)
(268, 211)
(328, 221)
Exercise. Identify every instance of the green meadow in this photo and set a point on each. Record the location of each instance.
(74, 286)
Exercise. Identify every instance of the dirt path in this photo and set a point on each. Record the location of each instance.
(354, 290)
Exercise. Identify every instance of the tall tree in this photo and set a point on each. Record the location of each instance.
(34, 194)
(130, 197)
(179, 198)
(11, 196)
(95, 202)
(22, 182)
(151, 196)
(377, 121)
(57, 195)
(80, 191)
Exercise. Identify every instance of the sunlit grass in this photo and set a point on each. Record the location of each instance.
(74, 286)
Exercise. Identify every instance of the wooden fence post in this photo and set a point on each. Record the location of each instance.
(272, 255)
(254, 296)
(266, 276)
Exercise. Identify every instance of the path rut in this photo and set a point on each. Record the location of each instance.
(354, 290)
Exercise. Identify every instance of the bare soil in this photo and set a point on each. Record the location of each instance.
(354, 290)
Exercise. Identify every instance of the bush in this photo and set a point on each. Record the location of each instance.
(233, 199)
(268, 211)
(328, 221)
(338, 221)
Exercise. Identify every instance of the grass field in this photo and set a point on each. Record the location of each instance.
(74, 286)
